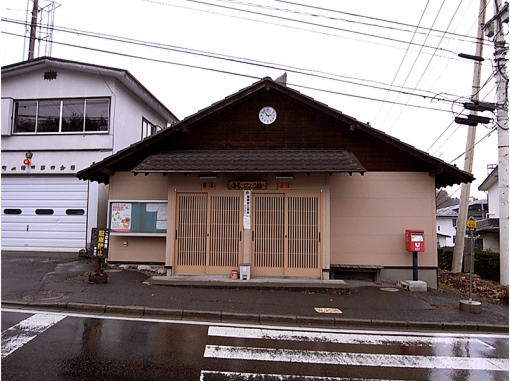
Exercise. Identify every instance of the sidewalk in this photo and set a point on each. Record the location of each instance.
(60, 283)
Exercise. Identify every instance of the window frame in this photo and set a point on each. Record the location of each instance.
(149, 128)
(60, 117)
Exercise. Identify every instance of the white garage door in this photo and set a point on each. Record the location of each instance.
(42, 213)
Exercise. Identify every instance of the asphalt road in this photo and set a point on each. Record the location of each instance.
(41, 345)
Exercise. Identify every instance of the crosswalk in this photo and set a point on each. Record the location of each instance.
(19, 334)
(267, 353)
(445, 353)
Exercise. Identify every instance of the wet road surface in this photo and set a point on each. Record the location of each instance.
(40, 345)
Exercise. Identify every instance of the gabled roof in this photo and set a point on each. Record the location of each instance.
(122, 75)
(130, 158)
(490, 180)
(252, 161)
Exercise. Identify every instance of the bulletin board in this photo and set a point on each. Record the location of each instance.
(138, 217)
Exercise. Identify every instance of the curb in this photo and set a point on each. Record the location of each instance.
(230, 317)
(340, 289)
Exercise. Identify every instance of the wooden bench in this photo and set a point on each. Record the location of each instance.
(358, 272)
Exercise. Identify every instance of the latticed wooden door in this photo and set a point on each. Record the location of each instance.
(268, 234)
(286, 235)
(208, 233)
(303, 236)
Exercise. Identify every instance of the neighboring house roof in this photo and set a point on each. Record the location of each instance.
(121, 75)
(252, 161)
(453, 210)
(490, 180)
(359, 141)
(489, 225)
(449, 211)
(444, 235)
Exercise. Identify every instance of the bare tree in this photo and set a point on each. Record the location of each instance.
(443, 199)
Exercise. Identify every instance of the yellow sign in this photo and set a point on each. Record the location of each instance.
(471, 224)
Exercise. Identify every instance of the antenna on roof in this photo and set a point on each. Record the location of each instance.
(282, 79)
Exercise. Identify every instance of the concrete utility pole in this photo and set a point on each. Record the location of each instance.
(500, 48)
(33, 29)
(458, 250)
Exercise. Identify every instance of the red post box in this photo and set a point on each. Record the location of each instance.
(415, 240)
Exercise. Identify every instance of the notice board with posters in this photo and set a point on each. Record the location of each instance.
(138, 217)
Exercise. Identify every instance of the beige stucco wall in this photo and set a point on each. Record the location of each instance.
(370, 213)
(363, 217)
(133, 248)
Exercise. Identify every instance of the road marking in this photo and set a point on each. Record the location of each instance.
(340, 338)
(354, 359)
(241, 325)
(279, 377)
(18, 335)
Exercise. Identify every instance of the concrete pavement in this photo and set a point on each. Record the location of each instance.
(61, 283)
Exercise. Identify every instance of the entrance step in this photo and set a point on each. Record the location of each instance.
(257, 283)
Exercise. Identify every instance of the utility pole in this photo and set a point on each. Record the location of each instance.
(495, 26)
(33, 29)
(458, 251)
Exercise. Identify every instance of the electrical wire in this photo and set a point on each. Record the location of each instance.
(371, 24)
(240, 60)
(428, 64)
(479, 141)
(463, 36)
(312, 24)
(401, 63)
(218, 71)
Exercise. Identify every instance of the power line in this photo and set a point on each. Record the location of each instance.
(479, 141)
(220, 71)
(376, 19)
(306, 72)
(371, 24)
(401, 63)
(428, 64)
(313, 24)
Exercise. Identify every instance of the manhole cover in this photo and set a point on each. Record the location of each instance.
(44, 296)
(390, 289)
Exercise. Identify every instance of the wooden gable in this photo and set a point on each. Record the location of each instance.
(301, 124)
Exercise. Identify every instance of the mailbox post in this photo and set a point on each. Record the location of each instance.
(415, 243)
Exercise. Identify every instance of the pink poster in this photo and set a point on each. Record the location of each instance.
(121, 217)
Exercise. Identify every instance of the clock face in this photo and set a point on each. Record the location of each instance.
(267, 115)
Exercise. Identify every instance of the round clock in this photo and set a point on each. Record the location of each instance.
(267, 115)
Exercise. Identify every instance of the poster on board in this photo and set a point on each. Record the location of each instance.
(121, 217)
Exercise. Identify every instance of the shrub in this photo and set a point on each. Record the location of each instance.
(486, 262)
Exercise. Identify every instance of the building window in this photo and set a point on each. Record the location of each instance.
(438, 228)
(148, 128)
(61, 116)
(454, 222)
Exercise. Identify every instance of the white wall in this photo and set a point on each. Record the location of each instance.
(66, 154)
(493, 200)
(445, 226)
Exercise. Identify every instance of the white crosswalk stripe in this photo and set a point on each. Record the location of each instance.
(341, 338)
(440, 352)
(356, 359)
(278, 377)
(18, 335)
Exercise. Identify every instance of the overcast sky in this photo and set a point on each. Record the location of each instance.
(392, 63)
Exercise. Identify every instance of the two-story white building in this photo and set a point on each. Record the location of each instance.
(446, 220)
(489, 227)
(58, 117)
